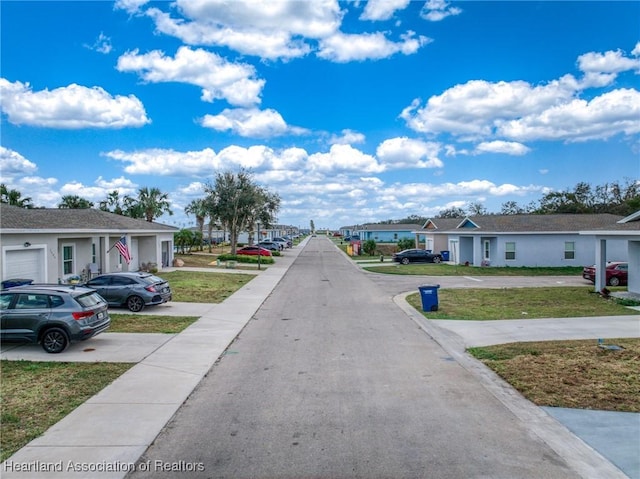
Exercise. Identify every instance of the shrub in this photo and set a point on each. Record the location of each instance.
(369, 247)
(406, 243)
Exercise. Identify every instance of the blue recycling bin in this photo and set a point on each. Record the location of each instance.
(429, 296)
(445, 255)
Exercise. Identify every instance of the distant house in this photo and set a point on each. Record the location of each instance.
(522, 240)
(51, 245)
(386, 233)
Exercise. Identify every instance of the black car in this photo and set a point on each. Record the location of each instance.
(52, 315)
(416, 256)
(132, 290)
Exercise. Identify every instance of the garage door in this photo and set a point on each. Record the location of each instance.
(25, 264)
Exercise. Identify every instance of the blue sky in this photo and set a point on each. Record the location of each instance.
(352, 112)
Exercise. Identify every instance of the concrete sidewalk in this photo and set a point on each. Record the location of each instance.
(105, 436)
(615, 436)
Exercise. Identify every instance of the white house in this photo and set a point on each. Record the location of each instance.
(49, 245)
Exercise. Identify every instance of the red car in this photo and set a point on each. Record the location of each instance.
(616, 273)
(254, 251)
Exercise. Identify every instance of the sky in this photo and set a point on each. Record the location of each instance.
(352, 112)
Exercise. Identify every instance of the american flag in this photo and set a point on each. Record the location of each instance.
(124, 250)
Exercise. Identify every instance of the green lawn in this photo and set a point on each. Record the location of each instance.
(519, 303)
(430, 269)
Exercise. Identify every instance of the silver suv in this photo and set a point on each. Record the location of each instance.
(52, 315)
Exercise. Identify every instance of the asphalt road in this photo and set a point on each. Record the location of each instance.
(332, 380)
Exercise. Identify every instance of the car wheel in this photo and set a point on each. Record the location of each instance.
(135, 303)
(436, 259)
(405, 261)
(614, 281)
(55, 340)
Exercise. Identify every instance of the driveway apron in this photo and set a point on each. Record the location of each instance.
(331, 379)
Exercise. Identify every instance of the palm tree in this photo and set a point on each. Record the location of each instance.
(199, 209)
(14, 197)
(112, 203)
(74, 202)
(153, 203)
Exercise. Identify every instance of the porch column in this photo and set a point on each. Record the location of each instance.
(601, 264)
(477, 251)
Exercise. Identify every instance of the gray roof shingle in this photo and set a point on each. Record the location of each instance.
(88, 219)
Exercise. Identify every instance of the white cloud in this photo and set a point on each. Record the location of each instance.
(131, 6)
(437, 10)
(157, 161)
(13, 164)
(270, 30)
(70, 107)
(409, 153)
(607, 115)
(344, 158)
(342, 48)
(251, 123)
(382, 9)
(474, 109)
(283, 29)
(101, 45)
(347, 137)
(218, 78)
(499, 146)
(608, 62)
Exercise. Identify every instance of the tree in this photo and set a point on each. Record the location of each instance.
(112, 203)
(183, 239)
(312, 226)
(14, 197)
(369, 247)
(199, 209)
(511, 208)
(74, 202)
(451, 213)
(406, 243)
(238, 203)
(476, 209)
(153, 203)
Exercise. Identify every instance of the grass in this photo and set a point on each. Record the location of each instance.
(147, 323)
(519, 303)
(431, 269)
(36, 395)
(570, 374)
(204, 287)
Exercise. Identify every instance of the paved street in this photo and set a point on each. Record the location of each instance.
(331, 379)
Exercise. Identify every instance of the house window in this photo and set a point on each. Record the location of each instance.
(93, 253)
(569, 250)
(395, 236)
(510, 251)
(67, 259)
(486, 250)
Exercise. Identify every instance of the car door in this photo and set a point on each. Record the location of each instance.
(24, 316)
(101, 285)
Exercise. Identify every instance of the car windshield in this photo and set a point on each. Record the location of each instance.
(89, 300)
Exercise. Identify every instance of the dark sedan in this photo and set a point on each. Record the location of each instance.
(617, 273)
(416, 256)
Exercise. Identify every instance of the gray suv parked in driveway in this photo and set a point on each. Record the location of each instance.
(52, 315)
(132, 290)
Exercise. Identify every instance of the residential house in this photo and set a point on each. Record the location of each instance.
(381, 233)
(52, 245)
(522, 240)
(626, 230)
